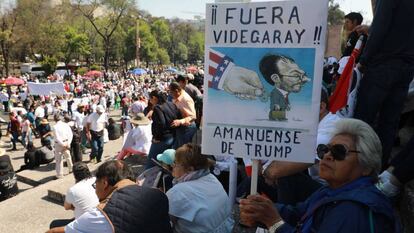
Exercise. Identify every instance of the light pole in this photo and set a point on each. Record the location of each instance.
(137, 44)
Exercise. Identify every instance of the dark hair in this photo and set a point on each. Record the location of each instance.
(30, 146)
(175, 86)
(67, 118)
(115, 171)
(268, 66)
(57, 117)
(161, 96)
(181, 78)
(189, 155)
(355, 16)
(81, 171)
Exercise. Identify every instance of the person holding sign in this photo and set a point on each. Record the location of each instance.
(350, 164)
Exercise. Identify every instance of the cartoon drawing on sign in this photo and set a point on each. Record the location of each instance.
(238, 81)
(286, 76)
(280, 71)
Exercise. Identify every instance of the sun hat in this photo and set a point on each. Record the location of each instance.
(140, 119)
(167, 157)
(44, 121)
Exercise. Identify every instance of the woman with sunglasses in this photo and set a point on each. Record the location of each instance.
(197, 201)
(350, 164)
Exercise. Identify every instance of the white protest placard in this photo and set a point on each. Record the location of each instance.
(263, 78)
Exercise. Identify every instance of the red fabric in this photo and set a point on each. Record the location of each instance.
(249, 170)
(339, 98)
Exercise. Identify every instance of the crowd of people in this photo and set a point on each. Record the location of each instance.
(349, 188)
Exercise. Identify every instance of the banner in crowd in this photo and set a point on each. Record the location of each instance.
(263, 78)
(46, 88)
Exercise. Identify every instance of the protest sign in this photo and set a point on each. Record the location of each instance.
(263, 78)
(46, 88)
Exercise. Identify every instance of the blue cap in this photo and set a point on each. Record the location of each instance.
(167, 157)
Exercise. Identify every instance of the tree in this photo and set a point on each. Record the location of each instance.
(161, 31)
(149, 45)
(335, 14)
(181, 53)
(162, 56)
(105, 25)
(74, 43)
(8, 20)
(196, 47)
(49, 64)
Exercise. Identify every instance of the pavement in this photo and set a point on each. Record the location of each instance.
(41, 195)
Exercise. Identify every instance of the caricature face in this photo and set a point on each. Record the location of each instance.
(291, 77)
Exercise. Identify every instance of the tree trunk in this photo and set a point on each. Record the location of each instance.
(5, 54)
(107, 52)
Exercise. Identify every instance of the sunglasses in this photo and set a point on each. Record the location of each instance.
(338, 151)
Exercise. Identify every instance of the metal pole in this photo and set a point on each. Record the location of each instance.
(137, 44)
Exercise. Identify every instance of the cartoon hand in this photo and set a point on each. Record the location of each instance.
(243, 83)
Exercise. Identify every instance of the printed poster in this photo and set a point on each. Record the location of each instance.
(263, 77)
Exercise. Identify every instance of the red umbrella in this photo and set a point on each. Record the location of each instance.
(12, 81)
(192, 69)
(94, 73)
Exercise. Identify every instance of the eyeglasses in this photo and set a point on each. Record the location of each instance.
(338, 151)
(300, 76)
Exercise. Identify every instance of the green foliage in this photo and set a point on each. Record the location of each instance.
(149, 45)
(161, 31)
(335, 14)
(49, 64)
(163, 57)
(82, 70)
(181, 53)
(95, 67)
(75, 44)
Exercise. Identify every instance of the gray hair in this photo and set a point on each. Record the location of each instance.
(366, 141)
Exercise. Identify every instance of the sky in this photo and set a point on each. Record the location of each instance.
(187, 9)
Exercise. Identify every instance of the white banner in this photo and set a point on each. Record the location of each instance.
(46, 88)
(263, 78)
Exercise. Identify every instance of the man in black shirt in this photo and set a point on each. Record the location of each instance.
(352, 20)
(388, 65)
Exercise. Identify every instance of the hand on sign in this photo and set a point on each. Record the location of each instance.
(258, 209)
(243, 83)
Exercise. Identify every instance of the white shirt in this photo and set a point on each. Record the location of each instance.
(63, 133)
(40, 112)
(97, 122)
(92, 221)
(139, 138)
(82, 196)
(78, 118)
(4, 97)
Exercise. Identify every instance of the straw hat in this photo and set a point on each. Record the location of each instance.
(44, 121)
(140, 119)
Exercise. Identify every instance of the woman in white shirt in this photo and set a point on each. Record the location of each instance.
(138, 141)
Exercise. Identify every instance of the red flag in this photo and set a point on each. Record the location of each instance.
(339, 98)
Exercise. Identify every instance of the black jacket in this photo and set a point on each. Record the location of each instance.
(162, 117)
(138, 209)
(391, 37)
